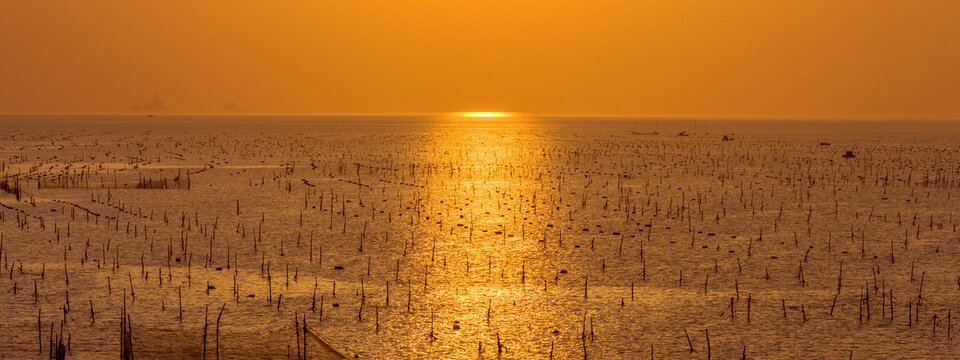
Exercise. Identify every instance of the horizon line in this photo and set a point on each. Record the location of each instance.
(451, 113)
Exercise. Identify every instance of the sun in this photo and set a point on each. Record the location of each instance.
(485, 114)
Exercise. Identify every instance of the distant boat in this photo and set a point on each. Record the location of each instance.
(149, 115)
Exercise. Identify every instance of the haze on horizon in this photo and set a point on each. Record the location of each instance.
(735, 58)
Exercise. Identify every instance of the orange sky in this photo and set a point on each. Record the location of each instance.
(733, 58)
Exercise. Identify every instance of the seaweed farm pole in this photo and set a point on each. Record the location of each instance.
(39, 332)
(296, 329)
(313, 305)
(204, 348)
(305, 330)
(586, 279)
(706, 331)
(218, 330)
(129, 345)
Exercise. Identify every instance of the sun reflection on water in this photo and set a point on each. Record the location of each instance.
(487, 264)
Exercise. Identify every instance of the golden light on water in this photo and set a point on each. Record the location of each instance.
(469, 237)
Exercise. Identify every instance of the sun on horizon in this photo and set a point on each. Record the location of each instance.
(485, 114)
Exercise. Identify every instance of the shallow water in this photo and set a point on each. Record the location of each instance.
(556, 236)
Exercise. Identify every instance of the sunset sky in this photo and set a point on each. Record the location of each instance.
(676, 58)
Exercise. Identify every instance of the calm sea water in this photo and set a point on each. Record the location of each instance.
(444, 237)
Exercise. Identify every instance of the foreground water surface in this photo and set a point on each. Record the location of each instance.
(448, 237)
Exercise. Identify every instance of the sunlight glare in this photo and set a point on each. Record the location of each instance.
(485, 114)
